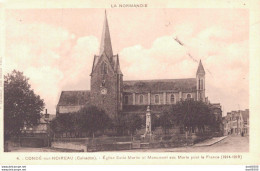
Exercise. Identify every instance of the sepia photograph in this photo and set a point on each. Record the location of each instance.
(126, 80)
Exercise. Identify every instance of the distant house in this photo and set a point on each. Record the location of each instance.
(41, 129)
(37, 135)
(236, 122)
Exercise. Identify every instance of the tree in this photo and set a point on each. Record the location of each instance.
(192, 114)
(94, 119)
(89, 119)
(155, 121)
(21, 105)
(63, 123)
(133, 122)
(166, 121)
(120, 124)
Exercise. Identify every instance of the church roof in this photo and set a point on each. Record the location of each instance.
(74, 98)
(200, 69)
(106, 46)
(106, 50)
(188, 84)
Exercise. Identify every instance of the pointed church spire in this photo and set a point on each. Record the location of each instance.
(200, 69)
(106, 46)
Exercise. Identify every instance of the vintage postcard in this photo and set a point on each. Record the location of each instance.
(130, 82)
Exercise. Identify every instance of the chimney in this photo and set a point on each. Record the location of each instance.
(46, 114)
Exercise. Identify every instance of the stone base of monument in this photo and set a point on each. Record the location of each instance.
(110, 147)
(144, 145)
(123, 145)
(136, 145)
(155, 145)
(69, 146)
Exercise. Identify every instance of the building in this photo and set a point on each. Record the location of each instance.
(115, 95)
(38, 135)
(236, 122)
(42, 128)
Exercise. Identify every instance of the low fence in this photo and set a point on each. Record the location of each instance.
(70, 146)
(109, 143)
(36, 142)
(93, 144)
(32, 142)
(125, 143)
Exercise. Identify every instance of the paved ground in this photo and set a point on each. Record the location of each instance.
(229, 144)
(209, 142)
(25, 149)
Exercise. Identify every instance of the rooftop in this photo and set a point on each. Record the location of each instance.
(187, 84)
(74, 98)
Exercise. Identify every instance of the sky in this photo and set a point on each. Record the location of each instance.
(55, 48)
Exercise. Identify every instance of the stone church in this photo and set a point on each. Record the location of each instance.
(115, 95)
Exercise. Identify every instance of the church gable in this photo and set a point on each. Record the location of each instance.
(113, 64)
(100, 63)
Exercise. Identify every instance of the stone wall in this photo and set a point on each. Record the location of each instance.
(107, 102)
(165, 97)
(77, 146)
(69, 109)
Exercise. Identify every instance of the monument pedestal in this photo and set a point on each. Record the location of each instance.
(148, 128)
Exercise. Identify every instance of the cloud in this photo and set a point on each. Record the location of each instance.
(226, 63)
(32, 44)
(53, 58)
(45, 81)
(77, 66)
(56, 59)
(165, 59)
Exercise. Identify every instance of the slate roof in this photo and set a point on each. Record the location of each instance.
(200, 69)
(106, 50)
(105, 45)
(74, 98)
(184, 85)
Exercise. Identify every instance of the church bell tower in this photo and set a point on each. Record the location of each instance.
(106, 77)
(200, 77)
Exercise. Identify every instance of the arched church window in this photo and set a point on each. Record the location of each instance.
(157, 100)
(141, 99)
(104, 68)
(188, 96)
(172, 99)
(201, 84)
(126, 99)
